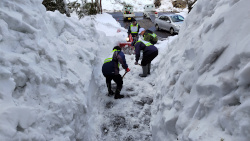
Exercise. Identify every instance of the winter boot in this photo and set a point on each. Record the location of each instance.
(149, 67)
(144, 71)
(109, 89)
(117, 94)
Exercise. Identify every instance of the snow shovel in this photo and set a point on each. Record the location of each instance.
(124, 74)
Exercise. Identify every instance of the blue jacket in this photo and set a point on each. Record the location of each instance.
(147, 48)
(111, 64)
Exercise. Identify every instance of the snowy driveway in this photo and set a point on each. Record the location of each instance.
(127, 119)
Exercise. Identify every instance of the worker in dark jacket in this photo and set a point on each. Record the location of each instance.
(149, 53)
(110, 70)
(133, 29)
(148, 35)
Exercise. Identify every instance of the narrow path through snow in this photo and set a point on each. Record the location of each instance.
(127, 119)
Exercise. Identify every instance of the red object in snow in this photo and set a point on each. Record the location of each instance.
(128, 43)
(130, 38)
(126, 46)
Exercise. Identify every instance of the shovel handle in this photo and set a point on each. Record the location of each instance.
(124, 74)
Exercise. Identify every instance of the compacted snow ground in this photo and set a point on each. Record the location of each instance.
(129, 118)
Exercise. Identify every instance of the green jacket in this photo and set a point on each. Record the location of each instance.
(150, 37)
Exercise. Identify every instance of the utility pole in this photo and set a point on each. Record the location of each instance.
(101, 5)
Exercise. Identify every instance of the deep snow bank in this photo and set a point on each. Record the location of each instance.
(47, 61)
(203, 92)
(117, 5)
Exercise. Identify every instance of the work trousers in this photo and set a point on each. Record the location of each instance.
(147, 59)
(117, 79)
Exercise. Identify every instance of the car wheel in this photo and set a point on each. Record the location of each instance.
(157, 27)
(171, 31)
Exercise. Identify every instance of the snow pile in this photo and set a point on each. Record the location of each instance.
(108, 25)
(203, 89)
(52, 88)
(47, 65)
(166, 5)
(117, 5)
(114, 5)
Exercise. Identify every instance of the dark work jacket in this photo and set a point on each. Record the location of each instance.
(111, 67)
(133, 34)
(147, 48)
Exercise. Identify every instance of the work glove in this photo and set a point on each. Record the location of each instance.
(136, 63)
(127, 70)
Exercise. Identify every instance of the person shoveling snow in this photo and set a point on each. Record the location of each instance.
(149, 53)
(110, 70)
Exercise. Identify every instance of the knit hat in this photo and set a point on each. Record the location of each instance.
(117, 48)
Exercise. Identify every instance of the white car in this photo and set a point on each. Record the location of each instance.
(149, 9)
(128, 13)
(169, 22)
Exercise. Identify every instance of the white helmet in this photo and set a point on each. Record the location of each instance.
(140, 30)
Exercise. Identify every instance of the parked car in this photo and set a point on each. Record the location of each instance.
(149, 9)
(128, 13)
(169, 22)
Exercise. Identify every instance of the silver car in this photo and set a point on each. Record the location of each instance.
(169, 22)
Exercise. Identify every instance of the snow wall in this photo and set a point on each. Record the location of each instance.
(47, 72)
(204, 77)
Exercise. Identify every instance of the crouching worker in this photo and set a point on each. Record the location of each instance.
(149, 53)
(110, 70)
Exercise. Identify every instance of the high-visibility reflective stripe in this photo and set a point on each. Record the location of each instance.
(154, 35)
(145, 43)
(107, 60)
(110, 57)
(115, 50)
(134, 29)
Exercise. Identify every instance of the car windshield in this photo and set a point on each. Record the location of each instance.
(128, 8)
(177, 18)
